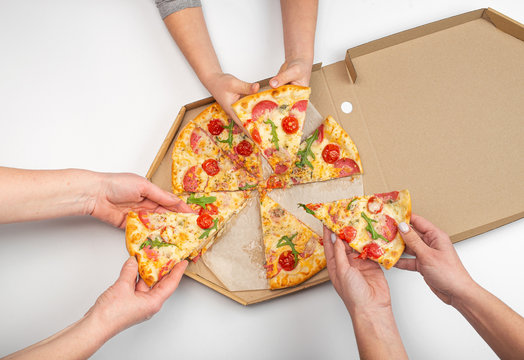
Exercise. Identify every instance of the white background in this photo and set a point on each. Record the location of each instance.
(96, 84)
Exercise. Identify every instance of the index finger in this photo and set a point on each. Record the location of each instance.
(329, 252)
(165, 199)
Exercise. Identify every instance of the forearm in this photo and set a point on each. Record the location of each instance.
(40, 194)
(500, 326)
(299, 19)
(377, 335)
(78, 341)
(188, 29)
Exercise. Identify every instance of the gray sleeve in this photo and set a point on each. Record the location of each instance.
(167, 7)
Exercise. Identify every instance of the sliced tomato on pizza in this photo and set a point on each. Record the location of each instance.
(274, 118)
(368, 223)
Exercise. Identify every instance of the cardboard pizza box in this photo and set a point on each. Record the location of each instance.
(438, 110)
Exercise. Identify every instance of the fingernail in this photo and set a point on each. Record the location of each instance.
(273, 83)
(333, 238)
(403, 227)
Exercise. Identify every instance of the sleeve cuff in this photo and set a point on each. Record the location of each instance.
(167, 7)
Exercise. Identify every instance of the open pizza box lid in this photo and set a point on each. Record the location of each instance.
(438, 110)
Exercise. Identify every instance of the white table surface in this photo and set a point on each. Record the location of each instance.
(96, 84)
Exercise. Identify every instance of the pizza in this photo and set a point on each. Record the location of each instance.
(230, 138)
(274, 118)
(369, 224)
(200, 166)
(293, 252)
(328, 153)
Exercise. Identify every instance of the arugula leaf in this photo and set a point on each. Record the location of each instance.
(286, 240)
(202, 201)
(247, 186)
(307, 151)
(374, 235)
(154, 243)
(308, 210)
(274, 136)
(229, 139)
(351, 202)
(206, 232)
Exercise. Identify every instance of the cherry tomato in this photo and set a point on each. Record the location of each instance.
(256, 136)
(290, 124)
(210, 166)
(262, 107)
(313, 207)
(331, 153)
(372, 251)
(274, 182)
(215, 127)
(205, 221)
(375, 205)
(286, 260)
(244, 148)
(210, 209)
(347, 234)
(300, 105)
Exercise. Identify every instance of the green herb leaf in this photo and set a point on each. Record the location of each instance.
(157, 242)
(202, 201)
(308, 210)
(374, 235)
(229, 139)
(206, 232)
(248, 186)
(303, 154)
(351, 202)
(274, 135)
(286, 240)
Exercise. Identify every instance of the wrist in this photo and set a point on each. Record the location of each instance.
(464, 294)
(93, 184)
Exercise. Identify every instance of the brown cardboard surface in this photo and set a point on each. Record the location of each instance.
(438, 110)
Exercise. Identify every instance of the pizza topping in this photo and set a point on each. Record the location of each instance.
(144, 218)
(190, 180)
(157, 242)
(237, 129)
(374, 235)
(331, 153)
(193, 141)
(255, 135)
(303, 154)
(290, 124)
(375, 205)
(348, 234)
(280, 169)
(206, 233)
(372, 251)
(286, 240)
(282, 108)
(244, 148)
(287, 260)
(202, 201)
(388, 227)
(274, 182)
(349, 207)
(150, 253)
(205, 221)
(211, 209)
(310, 208)
(261, 108)
(210, 166)
(215, 127)
(274, 135)
(247, 187)
(165, 269)
(388, 197)
(300, 105)
(320, 133)
(348, 166)
(229, 139)
(277, 212)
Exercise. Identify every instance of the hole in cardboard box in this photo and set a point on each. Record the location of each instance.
(346, 107)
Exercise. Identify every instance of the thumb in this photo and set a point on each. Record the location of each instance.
(412, 240)
(129, 271)
(284, 77)
(245, 88)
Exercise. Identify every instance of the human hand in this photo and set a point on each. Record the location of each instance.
(117, 194)
(294, 72)
(128, 302)
(435, 259)
(360, 283)
(227, 89)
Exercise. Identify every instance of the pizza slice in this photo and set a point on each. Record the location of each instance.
(368, 223)
(230, 138)
(220, 207)
(293, 252)
(200, 166)
(274, 118)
